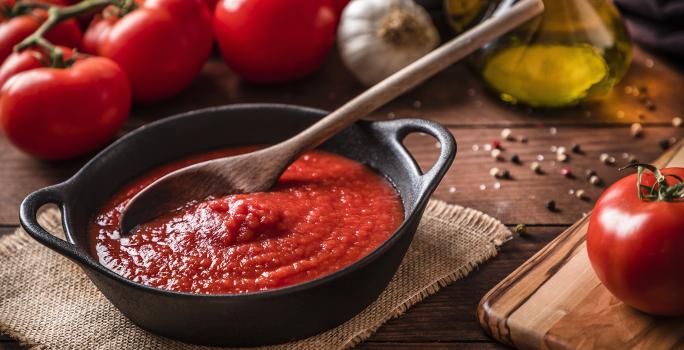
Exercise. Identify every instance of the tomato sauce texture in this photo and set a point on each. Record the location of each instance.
(325, 213)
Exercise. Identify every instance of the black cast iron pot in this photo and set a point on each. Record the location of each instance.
(258, 318)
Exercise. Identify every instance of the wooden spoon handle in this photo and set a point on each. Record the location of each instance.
(414, 74)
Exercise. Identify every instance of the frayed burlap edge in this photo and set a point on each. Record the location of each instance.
(451, 213)
(436, 210)
(11, 244)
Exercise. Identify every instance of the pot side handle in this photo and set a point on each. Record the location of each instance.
(399, 129)
(28, 212)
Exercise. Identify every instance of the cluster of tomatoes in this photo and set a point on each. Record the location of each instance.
(57, 106)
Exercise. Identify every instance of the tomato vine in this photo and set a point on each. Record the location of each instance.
(57, 14)
(660, 190)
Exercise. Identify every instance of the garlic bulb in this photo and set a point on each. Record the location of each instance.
(379, 37)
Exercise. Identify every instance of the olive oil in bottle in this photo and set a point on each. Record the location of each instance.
(463, 14)
(575, 51)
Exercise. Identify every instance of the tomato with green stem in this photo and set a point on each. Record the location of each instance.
(160, 44)
(19, 20)
(65, 109)
(635, 240)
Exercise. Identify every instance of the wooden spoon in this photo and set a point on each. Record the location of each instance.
(259, 171)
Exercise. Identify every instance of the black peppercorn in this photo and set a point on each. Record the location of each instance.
(551, 205)
(515, 158)
(575, 148)
(664, 144)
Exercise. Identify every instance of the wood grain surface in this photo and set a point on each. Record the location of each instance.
(259, 171)
(555, 301)
(456, 98)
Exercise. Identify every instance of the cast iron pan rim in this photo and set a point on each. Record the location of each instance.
(89, 260)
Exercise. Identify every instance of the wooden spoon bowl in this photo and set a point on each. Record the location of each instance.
(259, 171)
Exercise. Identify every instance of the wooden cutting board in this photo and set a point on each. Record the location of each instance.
(555, 301)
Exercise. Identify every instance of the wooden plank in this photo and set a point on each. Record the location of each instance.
(461, 185)
(449, 315)
(429, 346)
(446, 98)
(554, 300)
(522, 199)
(454, 97)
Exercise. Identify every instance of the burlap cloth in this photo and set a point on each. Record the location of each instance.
(46, 301)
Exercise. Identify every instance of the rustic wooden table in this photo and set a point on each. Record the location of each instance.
(456, 99)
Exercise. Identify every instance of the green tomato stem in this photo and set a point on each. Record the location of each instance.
(57, 14)
(21, 8)
(660, 191)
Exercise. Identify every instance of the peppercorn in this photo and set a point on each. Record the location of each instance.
(551, 205)
(496, 154)
(566, 172)
(580, 194)
(496, 144)
(575, 148)
(589, 173)
(536, 167)
(562, 157)
(515, 158)
(664, 144)
(636, 130)
(595, 180)
(521, 229)
(507, 134)
(677, 122)
(494, 172)
(607, 159)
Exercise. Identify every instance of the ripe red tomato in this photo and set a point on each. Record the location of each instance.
(340, 5)
(211, 4)
(14, 29)
(636, 246)
(161, 45)
(59, 113)
(271, 41)
(18, 62)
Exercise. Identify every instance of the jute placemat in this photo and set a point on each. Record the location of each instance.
(47, 302)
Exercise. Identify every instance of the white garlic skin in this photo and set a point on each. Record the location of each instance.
(366, 53)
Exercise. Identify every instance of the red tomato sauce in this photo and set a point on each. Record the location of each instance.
(325, 213)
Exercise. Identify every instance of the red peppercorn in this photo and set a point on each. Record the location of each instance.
(496, 144)
(566, 172)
